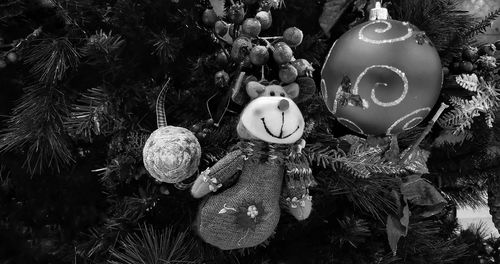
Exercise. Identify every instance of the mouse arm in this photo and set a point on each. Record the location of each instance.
(296, 190)
(212, 179)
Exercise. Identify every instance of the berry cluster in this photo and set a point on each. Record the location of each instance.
(8, 56)
(201, 129)
(475, 59)
(243, 49)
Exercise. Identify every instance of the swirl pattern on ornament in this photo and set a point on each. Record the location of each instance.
(401, 74)
(325, 96)
(407, 124)
(359, 130)
(412, 123)
(382, 31)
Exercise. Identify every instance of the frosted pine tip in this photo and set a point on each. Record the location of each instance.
(379, 12)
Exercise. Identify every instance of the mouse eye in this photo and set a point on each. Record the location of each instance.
(282, 94)
(272, 93)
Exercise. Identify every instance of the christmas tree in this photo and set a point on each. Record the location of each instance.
(90, 172)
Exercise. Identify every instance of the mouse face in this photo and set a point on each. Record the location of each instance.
(273, 119)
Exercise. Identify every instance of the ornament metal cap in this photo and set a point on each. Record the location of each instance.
(379, 12)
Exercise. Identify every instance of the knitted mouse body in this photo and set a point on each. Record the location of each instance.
(246, 213)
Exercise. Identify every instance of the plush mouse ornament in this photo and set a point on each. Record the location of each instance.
(267, 163)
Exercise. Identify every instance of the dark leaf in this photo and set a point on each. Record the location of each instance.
(332, 10)
(420, 192)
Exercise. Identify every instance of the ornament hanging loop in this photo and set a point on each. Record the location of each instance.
(379, 12)
(161, 116)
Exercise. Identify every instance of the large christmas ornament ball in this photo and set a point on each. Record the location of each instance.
(382, 77)
(171, 154)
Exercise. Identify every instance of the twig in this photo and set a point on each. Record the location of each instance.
(220, 43)
(424, 134)
(33, 34)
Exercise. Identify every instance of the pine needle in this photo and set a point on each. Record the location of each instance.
(50, 59)
(36, 127)
(151, 246)
(166, 47)
(481, 26)
(90, 115)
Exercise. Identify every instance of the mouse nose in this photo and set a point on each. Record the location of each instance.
(283, 105)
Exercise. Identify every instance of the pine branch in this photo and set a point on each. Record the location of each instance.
(166, 47)
(36, 127)
(361, 160)
(371, 195)
(91, 115)
(102, 48)
(481, 26)
(447, 138)
(366, 162)
(439, 19)
(50, 59)
(150, 246)
(325, 156)
(10, 9)
(486, 100)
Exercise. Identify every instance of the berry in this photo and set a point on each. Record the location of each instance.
(266, 5)
(206, 130)
(282, 53)
(455, 66)
(164, 190)
(470, 54)
(195, 128)
(241, 48)
(236, 14)
(265, 19)
(209, 17)
(487, 49)
(210, 122)
(201, 135)
(288, 73)
(221, 28)
(259, 55)
(497, 44)
(304, 68)
(221, 58)
(251, 27)
(3, 64)
(293, 36)
(446, 71)
(466, 66)
(221, 79)
(12, 57)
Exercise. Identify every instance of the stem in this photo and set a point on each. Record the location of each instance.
(424, 134)
(221, 45)
(272, 38)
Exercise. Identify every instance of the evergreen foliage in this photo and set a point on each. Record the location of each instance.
(78, 105)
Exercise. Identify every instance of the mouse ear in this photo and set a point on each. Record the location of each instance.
(254, 89)
(292, 90)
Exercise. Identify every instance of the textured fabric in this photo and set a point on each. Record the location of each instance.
(171, 154)
(223, 218)
(227, 166)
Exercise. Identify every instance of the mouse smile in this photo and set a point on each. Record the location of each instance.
(281, 136)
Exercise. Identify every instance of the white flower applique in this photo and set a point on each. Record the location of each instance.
(295, 202)
(252, 211)
(213, 183)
